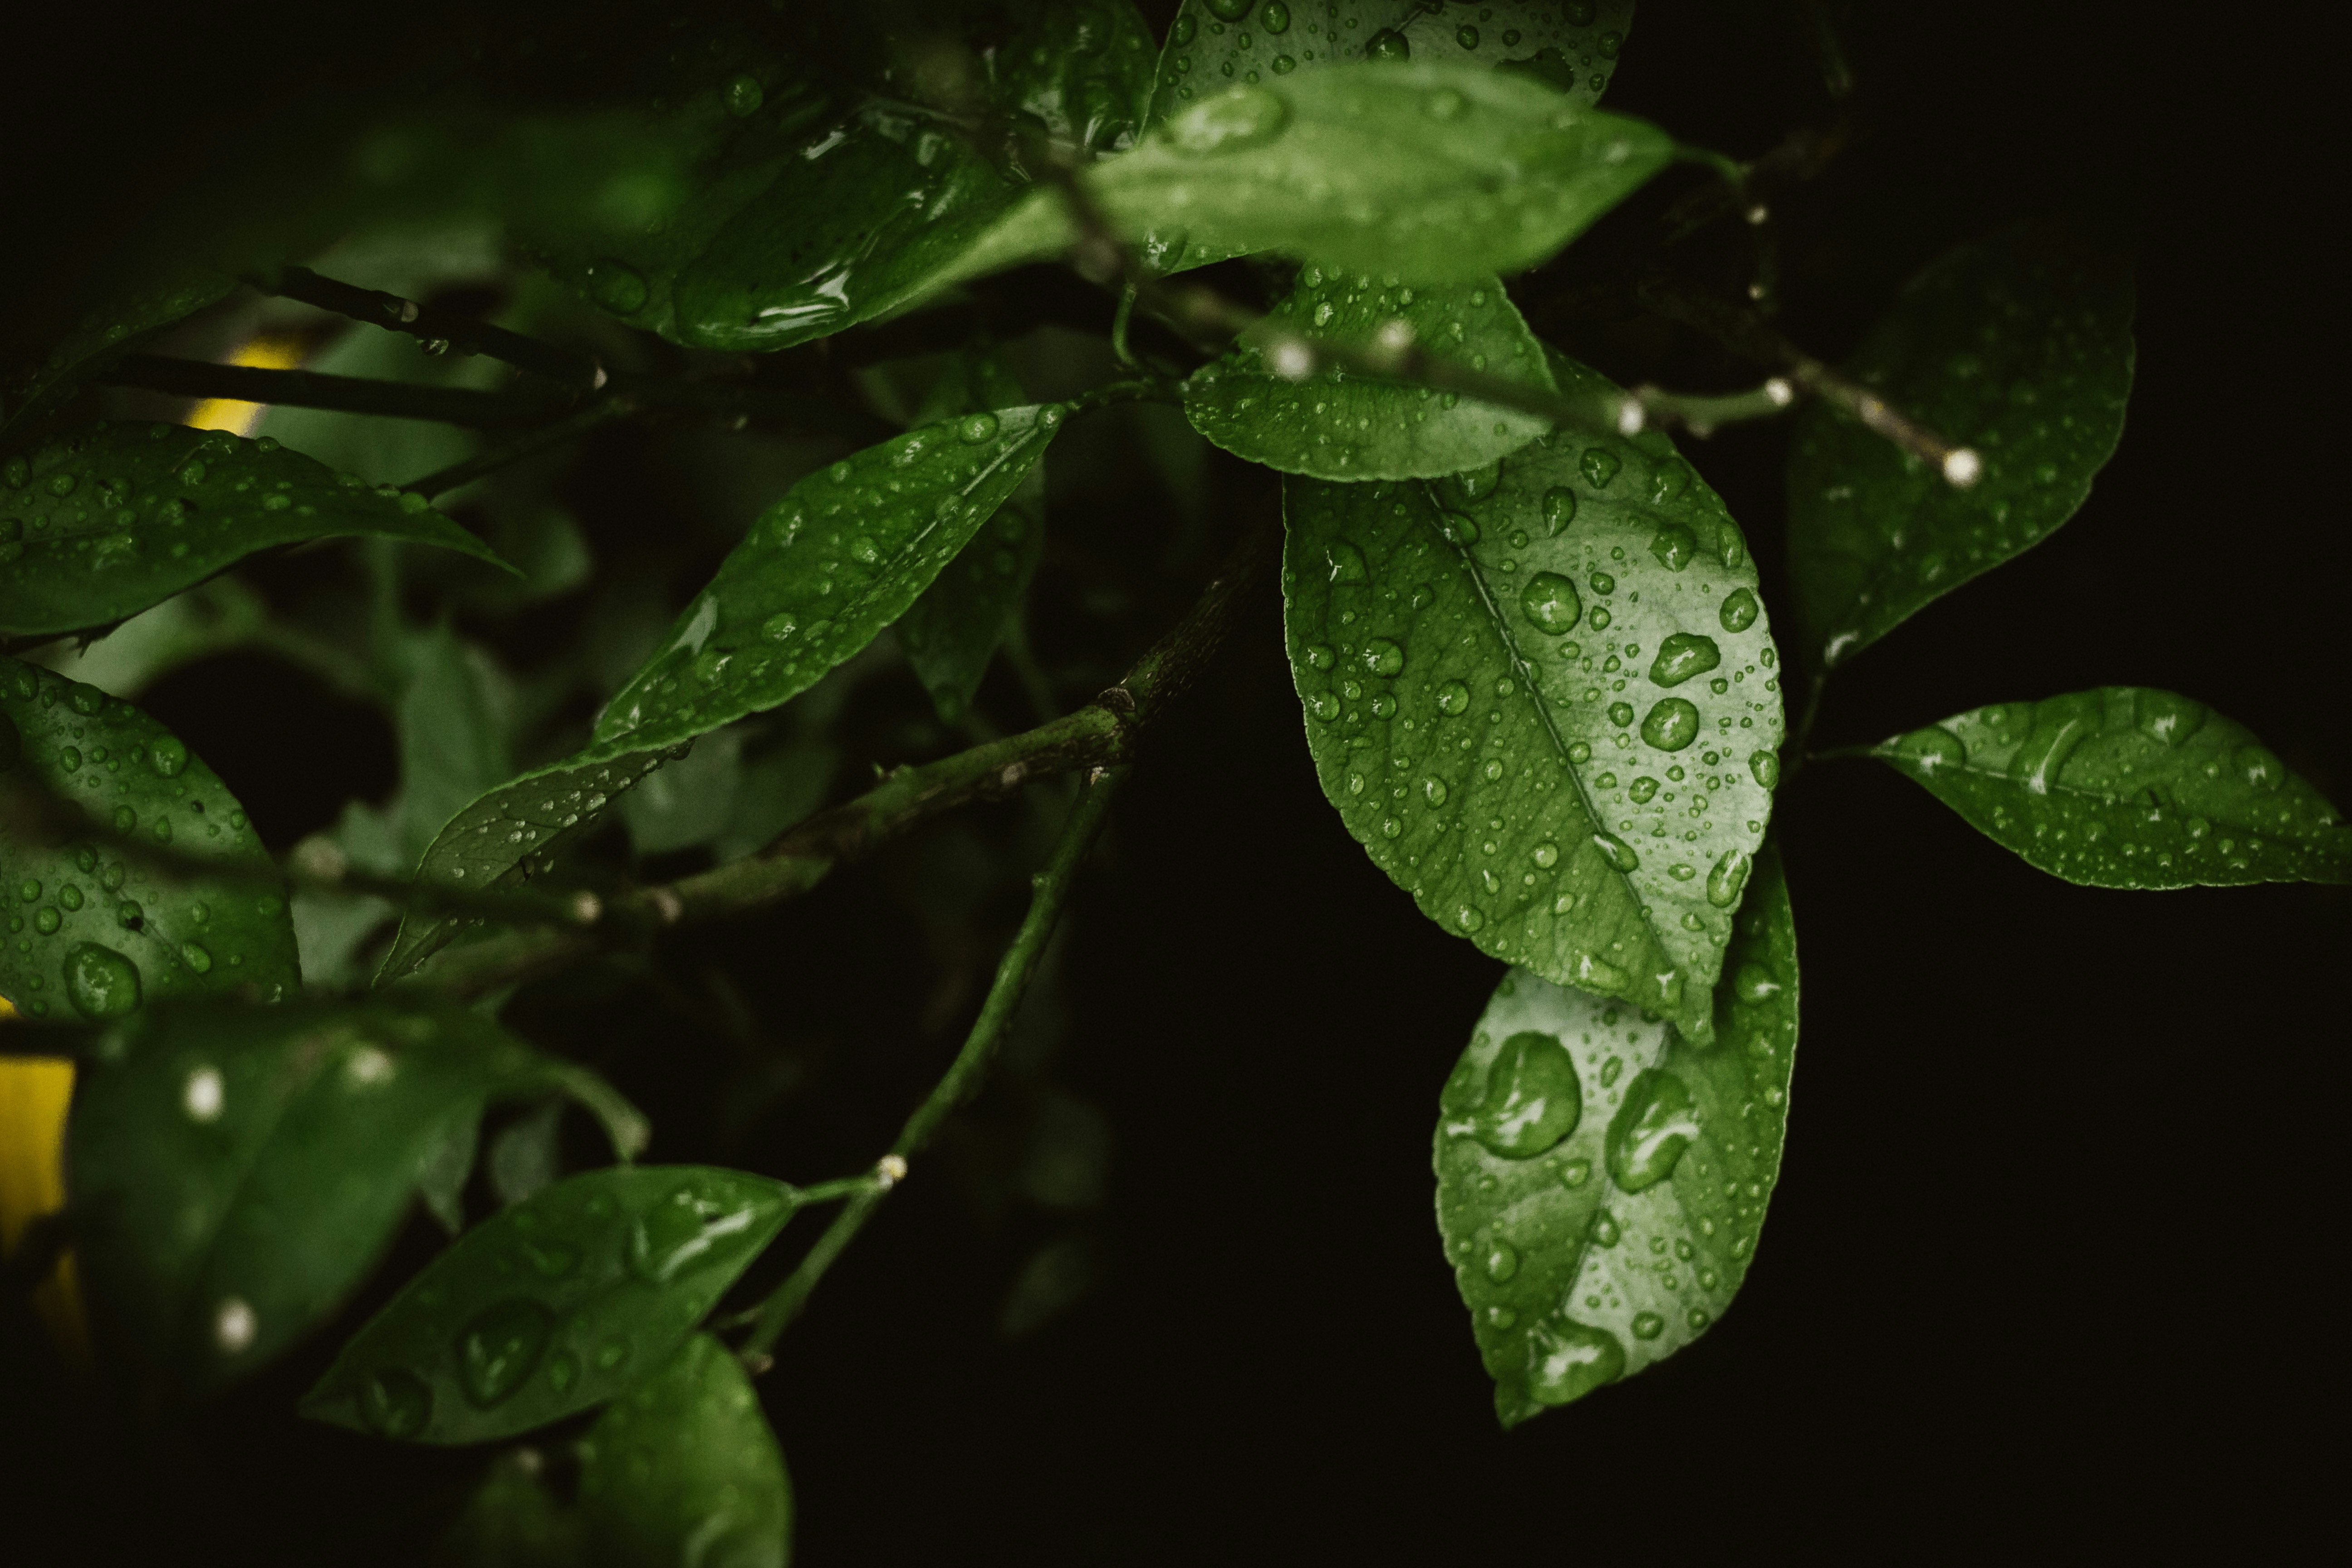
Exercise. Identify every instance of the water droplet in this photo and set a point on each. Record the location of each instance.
(2165, 718)
(234, 1325)
(1559, 510)
(1600, 466)
(1533, 1099)
(499, 1350)
(1740, 610)
(1274, 17)
(1648, 1325)
(1683, 656)
(550, 1259)
(1458, 527)
(1550, 601)
(1603, 583)
(1245, 117)
(1650, 1130)
(1347, 561)
(779, 627)
(1567, 1359)
(681, 1231)
(168, 756)
(1576, 1172)
(1454, 699)
(1384, 658)
(1616, 851)
(1766, 767)
(395, 1403)
(1673, 545)
(563, 1370)
(1620, 714)
(1502, 1261)
(1753, 983)
(616, 287)
(1547, 855)
(1672, 724)
(744, 97)
(100, 982)
(974, 428)
(1467, 36)
(1388, 44)
(1729, 876)
(1433, 791)
(195, 958)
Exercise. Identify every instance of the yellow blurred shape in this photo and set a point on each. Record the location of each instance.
(269, 351)
(34, 1094)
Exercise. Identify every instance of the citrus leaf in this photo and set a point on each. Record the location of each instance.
(1216, 44)
(553, 1305)
(95, 931)
(686, 1470)
(236, 1171)
(1545, 698)
(1600, 1180)
(2018, 347)
(842, 555)
(499, 839)
(1434, 172)
(2127, 786)
(111, 519)
(1336, 425)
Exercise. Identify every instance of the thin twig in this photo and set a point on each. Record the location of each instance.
(309, 389)
(1104, 734)
(440, 330)
(523, 444)
(1050, 890)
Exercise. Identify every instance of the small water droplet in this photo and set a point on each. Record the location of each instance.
(1502, 1261)
(1384, 658)
(1740, 610)
(500, 1348)
(1452, 699)
(744, 96)
(1766, 768)
(1559, 510)
(1245, 117)
(1388, 44)
(1600, 466)
(1648, 1325)
(616, 286)
(1433, 791)
(974, 428)
(1673, 545)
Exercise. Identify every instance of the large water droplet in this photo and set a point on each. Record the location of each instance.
(1766, 768)
(744, 96)
(1754, 983)
(2164, 717)
(1650, 1130)
(1600, 466)
(1452, 698)
(1533, 1098)
(679, 1233)
(1671, 725)
(1384, 658)
(1567, 1359)
(1502, 1261)
(1551, 602)
(1740, 610)
(395, 1403)
(1729, 876)
(1673, 545)
(1245, 117)
(1682, 655)
(1616, 851)
(1932, 750)
(100, 982)
(1388, 44)
(1276, 17)
(499, 1350)
(1345, 561)
(974, 428)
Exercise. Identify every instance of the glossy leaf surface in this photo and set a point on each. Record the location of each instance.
(556, 1304)
(845, 554)
(1545, 698)
(953, 630)
(2019, 347)
(101, 523)
(2127, 787)
(499, 839)
(94, 930)
(1600, 1180)
(238, 1169)
(684, 1470)
(1433, 173)
(1337, 425)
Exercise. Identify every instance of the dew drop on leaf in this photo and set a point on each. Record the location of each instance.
(1650, 1130)
(1533, 1099)
(499, 1351)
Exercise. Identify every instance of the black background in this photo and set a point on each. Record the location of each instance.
(2047, 1266)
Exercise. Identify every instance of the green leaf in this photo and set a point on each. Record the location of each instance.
(1600, 1180)
(103, 523)
(1433, 173)
(167, 289)
(2019, 347)
(2127, 786)
(1545, 698)
(557, 1304)
(1337, 425)
(842, 555)
(498, 840)
(1214, 45)
(94, 930)
(237, 1171)
(818, 203)
(953, 631)
(684, 1470)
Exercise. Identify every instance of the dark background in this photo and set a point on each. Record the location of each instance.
(2046, 1267)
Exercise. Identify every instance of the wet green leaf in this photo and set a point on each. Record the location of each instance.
(2018, 347)
(94, 928)
(2127, 786)
(111, 519)
(1572, 47)
(236, 1171)
(1339, 425)
(842, 555)
(1546, 699)
(1433, 173)
(684, 1470)
(554, 1305)
(1600, 1180)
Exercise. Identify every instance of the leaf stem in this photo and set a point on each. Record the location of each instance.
(1050, 889)
(523, 444)
(1104, 734)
